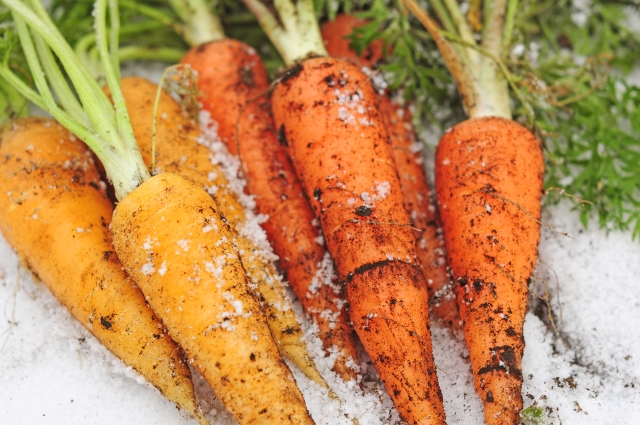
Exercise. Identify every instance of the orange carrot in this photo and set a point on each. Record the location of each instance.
(335, 33)
(168, 233)
(492, 244)
(179, 151)
(327, 111)
(56, 216)
(232, 78)
(340, 149)
(489, 185)
(415, 189)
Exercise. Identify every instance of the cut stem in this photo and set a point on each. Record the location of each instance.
(294, 31)
(201, 26)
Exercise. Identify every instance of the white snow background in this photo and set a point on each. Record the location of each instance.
(52, 371)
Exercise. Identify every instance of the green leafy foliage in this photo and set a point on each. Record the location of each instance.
(12, 103)
(412, 63)
(585, 112)
(534, 415)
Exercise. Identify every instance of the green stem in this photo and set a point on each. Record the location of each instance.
(443, 15)
(294, 32)
(161, 54)
(463, 29)
(201, 25)
(109, 134)
(512, 8)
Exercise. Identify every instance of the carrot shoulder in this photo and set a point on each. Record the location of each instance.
(491, 235)
(232, 79)
(57, 218)
(327, 111)
(406, 153)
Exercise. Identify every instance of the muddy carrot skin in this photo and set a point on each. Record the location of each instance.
(56, 216)
(327, 111)
(488, 173)
(406, 153)
(232, 79)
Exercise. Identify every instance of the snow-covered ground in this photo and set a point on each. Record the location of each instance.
(52, 371)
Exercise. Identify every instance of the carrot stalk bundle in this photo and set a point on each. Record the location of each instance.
(57, 218)
(232, 78)
(489, 185)
(168, 233)
(415, 189)
(326, 109)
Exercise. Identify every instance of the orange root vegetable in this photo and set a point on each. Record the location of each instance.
(56, 216)
(489, 185)
(201, 288)
(327, 111)
(415, 189)
(232, 78)
(335, 33)
(179, 151)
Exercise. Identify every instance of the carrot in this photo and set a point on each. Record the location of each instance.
(232, 78)
(180, 152)
(489, 185)
(326, 109)
(415, 189)
(56, 216)
(167, 232)
(335, 33)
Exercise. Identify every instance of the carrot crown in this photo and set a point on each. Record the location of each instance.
(103, 126)
(291, 26)
(475, 68)
(201, 26)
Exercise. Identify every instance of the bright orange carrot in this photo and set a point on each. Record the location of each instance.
(327, 110)
(492, 245)
(232, 78)
(415, 189)
(56, 215)
(168, 233)
(489, 182)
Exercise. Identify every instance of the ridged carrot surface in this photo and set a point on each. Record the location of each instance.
(489, 185)
(181, 150)
(326, 110)
(232, 79)
(176, 245)
(406, 153)
(56, 215)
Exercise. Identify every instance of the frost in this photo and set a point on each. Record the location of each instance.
(163, 268)
(147, 269)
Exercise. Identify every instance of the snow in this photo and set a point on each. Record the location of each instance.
(52, 371)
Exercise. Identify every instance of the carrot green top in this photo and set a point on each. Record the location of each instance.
(102, 125)
(201, 25)
(291, 26)
(475, 68)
